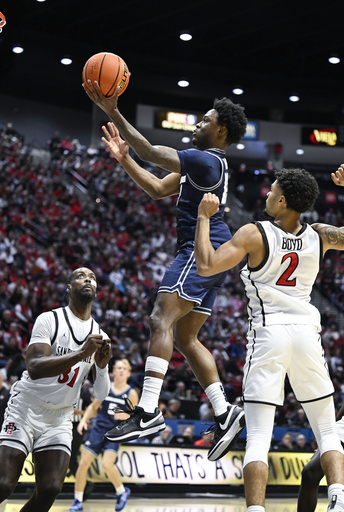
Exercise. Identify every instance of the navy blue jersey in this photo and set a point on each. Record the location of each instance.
(105, 417)
(201, 172)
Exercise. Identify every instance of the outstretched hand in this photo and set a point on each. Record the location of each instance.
(209, 205)
(118, 147)
(338, 176)
(95, 94)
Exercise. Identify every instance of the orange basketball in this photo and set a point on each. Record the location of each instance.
(109, 70)
(2, 20)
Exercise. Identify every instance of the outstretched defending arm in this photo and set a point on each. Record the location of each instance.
(210, 261)
(332, 236)
(338, 176)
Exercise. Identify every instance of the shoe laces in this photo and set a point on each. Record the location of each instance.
(210, 430)
(212, 427)
(128, 408)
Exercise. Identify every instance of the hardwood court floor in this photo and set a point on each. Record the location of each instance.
(135, 504)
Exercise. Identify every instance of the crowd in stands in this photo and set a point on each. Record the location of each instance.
(65, 206)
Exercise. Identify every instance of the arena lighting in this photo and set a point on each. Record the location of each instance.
(299, 151)
(294, 98)
(334, 59)
(185, 140)
(183, 83)
(66, 61)
(17, 49)
(238, 91)
(240, 146)
(185, 36)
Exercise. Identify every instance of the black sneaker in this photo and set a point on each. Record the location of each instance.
(140, 424)
(226, 430)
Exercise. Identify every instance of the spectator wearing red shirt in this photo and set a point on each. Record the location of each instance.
(206, 439)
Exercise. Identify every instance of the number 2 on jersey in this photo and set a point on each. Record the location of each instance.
(65, 377)
(285, 279)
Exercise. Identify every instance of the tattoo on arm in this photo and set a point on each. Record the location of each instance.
(334, 235)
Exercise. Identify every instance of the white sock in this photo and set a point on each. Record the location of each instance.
(150, 393)
(335, 494)
(255, 508)
(79, 495)
(120, 489)
(217, 397)
(152, 385)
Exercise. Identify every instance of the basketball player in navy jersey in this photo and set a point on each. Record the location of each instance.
(284, 258)
(66, 343)
(184, 298)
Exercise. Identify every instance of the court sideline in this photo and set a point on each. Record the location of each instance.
(194, 504)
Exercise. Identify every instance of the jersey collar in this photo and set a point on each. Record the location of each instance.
(217, 150)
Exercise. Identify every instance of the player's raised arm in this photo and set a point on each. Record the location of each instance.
(165, 157)
(332, 236)
(338, 176)
(155, 187)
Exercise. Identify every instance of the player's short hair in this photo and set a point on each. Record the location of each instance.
(70, 278)
(124, 361)
(299, 187)
(232, 116)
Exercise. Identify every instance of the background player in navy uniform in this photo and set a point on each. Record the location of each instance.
(184, 299)
(284, 257)
(105, 418)
(65, 345)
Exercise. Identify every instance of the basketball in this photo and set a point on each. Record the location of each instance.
(109, 70)
(2, 20)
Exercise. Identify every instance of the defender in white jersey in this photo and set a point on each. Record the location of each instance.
(279, 289)
(65, 345)
(283, 338)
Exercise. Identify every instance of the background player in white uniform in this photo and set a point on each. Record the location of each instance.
(65, 344)
(283, 260)
(105, 418)
(312, 474)
(184, 298)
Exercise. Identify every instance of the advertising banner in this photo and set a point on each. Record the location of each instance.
(177, 465)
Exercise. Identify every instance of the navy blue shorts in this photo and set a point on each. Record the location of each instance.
(96, 441)
(181, 276)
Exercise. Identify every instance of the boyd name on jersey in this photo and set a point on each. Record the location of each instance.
(279, 289)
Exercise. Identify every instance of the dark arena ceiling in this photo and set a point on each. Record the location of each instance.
(270, 48)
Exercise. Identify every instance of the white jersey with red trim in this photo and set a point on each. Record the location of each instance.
(66, 333)
(279, 289)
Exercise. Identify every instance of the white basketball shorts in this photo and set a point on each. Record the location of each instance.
(340, 429)
(30, 427)
(279, 350)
